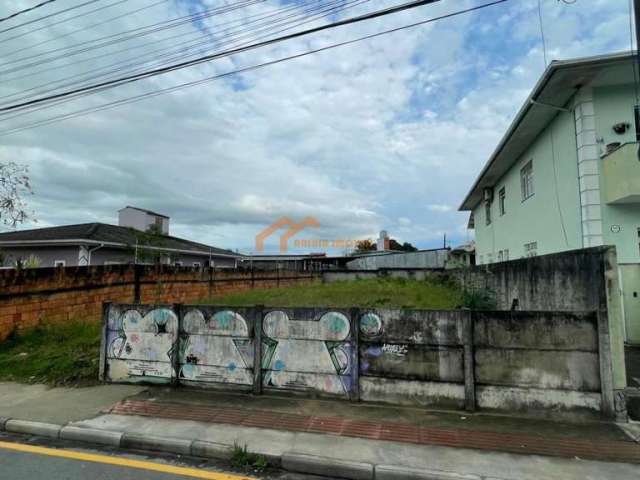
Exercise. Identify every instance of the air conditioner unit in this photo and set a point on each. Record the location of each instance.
(487, 194)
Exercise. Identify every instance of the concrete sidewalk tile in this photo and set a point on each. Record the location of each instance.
(218, 451)
(3, 421)
(49, 430)
(91, 435)
(395, 472)
(327, 467)
(161, 444)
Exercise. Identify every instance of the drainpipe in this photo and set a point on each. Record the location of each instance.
(91, 250)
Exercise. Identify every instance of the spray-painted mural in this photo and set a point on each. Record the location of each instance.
(140, 343)
(457, 359)
(216, 347)
(304, 350)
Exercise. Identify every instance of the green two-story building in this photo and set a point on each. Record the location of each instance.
(566, 175)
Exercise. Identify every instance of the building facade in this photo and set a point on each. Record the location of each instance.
(566, 175)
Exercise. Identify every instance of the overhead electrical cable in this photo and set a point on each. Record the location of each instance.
(288, 22)
(20, 12)
(85, 28)
(183, 21)
(206, 58)
(163, 91)
(51, 15)
(136, 47)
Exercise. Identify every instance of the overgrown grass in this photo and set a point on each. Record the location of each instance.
(424, 294)
(66, 354)
(242, 458)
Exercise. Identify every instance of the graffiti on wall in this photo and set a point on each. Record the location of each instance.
(308, 354)
(140, 345)
(216, 348)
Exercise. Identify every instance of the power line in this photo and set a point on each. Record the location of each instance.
(88, 27)
(293, 22)
(257, 17)
(59, 12)
(164, 91)
(166, 24)
(207, 58)
(13, 15)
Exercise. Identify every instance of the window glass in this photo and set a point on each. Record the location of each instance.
(526, 180)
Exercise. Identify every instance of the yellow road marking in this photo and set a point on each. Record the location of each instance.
(121, 462)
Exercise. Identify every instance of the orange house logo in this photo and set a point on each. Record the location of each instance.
(293, 228)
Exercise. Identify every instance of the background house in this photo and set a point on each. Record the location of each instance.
(566, 174)
(141, 237)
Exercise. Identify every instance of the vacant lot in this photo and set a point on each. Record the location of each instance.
(360, 293)
(69, 354)
(55, 355)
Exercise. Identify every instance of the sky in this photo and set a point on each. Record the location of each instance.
(388, 133)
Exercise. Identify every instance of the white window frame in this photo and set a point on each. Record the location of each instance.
(531, 249)
(527, 185)
(59, 263)
(197, 265)
(502, 200)
(178, 263)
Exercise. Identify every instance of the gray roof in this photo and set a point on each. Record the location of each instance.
(113, 235)
(558, 84)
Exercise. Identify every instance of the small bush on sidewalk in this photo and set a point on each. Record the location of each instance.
(63, 354)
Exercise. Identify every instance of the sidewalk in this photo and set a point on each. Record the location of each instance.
(365, 441)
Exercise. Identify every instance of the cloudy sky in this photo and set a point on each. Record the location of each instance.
(387, 134)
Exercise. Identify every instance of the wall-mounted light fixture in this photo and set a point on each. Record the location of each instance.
(621, 128)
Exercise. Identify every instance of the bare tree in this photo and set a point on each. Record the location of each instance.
(14, 186)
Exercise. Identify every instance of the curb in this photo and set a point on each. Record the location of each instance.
(48, 430)
(393, 472)
(328, 467)
(161, 444)
(291, 461)
(91, 435)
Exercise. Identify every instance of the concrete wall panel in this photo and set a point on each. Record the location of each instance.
(546, 330)
(538, 368)
(412, 362)
(411, 392)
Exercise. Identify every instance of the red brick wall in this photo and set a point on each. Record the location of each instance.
(48, 295)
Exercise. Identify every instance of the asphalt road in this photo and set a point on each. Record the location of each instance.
(25, 461)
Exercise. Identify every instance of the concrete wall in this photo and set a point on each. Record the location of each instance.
(47, 295)
(534, 362)
(424, 259)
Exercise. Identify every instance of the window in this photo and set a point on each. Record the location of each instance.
(487, 212)
(500, 256)
(502, 196)
(196, 265)
(178, 264)
(59, 263)
(506, 254)
(526, 180)
(531, 249)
